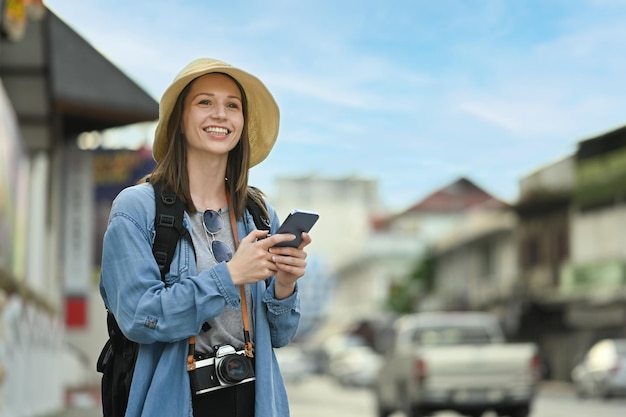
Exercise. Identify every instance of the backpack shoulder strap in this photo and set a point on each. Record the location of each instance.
(168, 224)
(261, 221)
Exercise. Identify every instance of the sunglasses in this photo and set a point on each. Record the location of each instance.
(213, 223)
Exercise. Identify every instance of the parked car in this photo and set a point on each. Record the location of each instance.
(356, 366)
(458, 362)
(602, 372)
(335, 346)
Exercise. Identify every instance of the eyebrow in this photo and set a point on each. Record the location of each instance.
(213, 95)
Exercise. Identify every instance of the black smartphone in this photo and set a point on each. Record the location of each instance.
(297, 222)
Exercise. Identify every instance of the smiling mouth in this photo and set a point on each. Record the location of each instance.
(216, 130)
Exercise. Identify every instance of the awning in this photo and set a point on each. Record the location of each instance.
(59, 85)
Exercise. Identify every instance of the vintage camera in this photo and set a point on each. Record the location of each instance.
(229, 367)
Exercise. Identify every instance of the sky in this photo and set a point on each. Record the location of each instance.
(411, 93)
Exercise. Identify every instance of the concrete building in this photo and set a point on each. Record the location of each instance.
(593, 281)
(441, 210)
(554, 268)
(544, 215)
(476, 264)
(396, 243)
(346, 206)
(572, 253)
(53, 87)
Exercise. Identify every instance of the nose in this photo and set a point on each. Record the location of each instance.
(219, 112)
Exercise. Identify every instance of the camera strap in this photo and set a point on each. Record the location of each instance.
(242, 291)
(248, 348)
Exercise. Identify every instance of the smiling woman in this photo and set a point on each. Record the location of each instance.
(213, 119)
(198, 353)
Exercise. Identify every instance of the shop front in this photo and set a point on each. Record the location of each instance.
(53, 86)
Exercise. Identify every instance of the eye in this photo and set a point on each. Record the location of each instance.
(233, 105)
(204, 102)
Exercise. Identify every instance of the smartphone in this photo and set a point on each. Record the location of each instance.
(297, 222)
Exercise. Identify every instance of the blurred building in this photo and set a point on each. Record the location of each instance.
(440, 211)
(544, 224)
(554, 265)
(53, 87)
(463, 229)
(396, 244)
(346, 206)
(475, 264)
(572, 253)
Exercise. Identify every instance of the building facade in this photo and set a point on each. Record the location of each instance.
(555, 270)
(53, 87)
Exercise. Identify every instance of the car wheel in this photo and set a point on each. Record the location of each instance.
(522, 411)
(381, 410)
(412, 410)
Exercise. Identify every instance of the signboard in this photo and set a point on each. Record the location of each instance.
(78, 209)
(77, 220)
(114, 170)
(600, 276)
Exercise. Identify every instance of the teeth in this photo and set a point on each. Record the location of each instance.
(217, 130)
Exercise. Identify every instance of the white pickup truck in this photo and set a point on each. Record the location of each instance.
(456, 361)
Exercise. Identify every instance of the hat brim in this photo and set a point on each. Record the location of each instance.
(263, 113)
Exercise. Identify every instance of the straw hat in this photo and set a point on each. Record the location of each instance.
(263, 113)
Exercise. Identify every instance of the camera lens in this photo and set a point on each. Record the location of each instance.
(234, 368)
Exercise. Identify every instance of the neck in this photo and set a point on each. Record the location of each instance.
(208, 187)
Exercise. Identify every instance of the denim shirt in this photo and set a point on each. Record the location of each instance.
(161, 318)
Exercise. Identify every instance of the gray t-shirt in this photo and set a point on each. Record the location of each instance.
(227, 328)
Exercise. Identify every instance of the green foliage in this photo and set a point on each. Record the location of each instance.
(400, 298)
(424, 274)
(404, 296)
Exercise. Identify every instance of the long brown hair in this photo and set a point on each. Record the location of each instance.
(171, 170)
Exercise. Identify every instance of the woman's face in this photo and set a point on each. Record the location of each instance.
(213, 115)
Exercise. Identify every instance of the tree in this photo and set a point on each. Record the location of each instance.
(404, 296)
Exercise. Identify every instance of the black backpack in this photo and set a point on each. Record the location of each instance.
(118, 356)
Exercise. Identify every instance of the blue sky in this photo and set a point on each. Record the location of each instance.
(412, 93)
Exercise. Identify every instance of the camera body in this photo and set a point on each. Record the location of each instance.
(229, 367)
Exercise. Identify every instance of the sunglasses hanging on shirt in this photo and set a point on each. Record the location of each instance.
(213, 223)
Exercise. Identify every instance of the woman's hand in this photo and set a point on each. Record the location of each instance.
(291, 265)
(252, 261)
(258, 258)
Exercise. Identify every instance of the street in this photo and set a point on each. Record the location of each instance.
(317, 396)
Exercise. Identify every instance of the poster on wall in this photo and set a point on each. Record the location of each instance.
(114, 170)
(13, 191)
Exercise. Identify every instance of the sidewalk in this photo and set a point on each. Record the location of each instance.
(77, 412)
(552, 387)
(80, 402)
(557, 387)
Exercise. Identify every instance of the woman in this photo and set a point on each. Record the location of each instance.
(215, 122)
